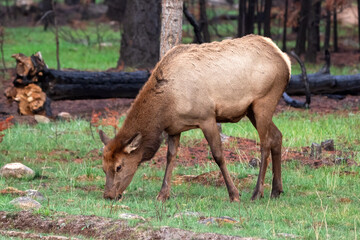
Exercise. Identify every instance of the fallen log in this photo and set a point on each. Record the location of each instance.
(93, 85)
(61, 85)
(325, 84)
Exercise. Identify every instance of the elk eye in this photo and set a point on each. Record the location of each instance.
(118, 168)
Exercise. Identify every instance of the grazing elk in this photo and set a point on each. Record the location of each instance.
(196, 86)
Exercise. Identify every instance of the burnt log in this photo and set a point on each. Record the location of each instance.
(61, 85)
(320, 83)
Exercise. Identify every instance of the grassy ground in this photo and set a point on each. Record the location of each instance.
(86, 55)
(318, 203)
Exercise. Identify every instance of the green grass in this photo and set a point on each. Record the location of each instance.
(81, 56)
(318, 203)
(87, 56)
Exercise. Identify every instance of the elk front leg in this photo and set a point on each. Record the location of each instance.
(212, 135)
(173, 145)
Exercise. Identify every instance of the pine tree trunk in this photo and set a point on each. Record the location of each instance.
(140, 39)
(171, 25)
(241, 18)
(335, 35)
(204, 25)
(285, 25)
(327, 30)
(267, 18)
(303, 23)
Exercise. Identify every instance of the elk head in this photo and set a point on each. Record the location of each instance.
(120, 162)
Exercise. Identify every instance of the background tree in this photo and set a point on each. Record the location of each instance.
(303, 24)
(141, 32)
(267, 18)
(313, 30)
(171, 24)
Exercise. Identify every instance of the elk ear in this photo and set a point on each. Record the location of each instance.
(105, 139)
(133, 143)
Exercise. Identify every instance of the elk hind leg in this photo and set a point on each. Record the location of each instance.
(261, 121)
(276, 143)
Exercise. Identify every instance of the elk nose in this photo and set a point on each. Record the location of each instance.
(118, 197)
(108, 196)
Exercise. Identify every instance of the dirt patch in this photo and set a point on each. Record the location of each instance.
(244, 150)
(95, 227)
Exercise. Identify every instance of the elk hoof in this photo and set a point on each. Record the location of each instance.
(257, 195)
(162, 197)
(276, 193)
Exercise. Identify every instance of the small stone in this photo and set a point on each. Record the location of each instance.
(41, 119)
(16, 170)
(26, 203)
(328, 145)
(254, 162)
(188, 214)
(340, 160)
(131, 216)
(35, 194)
(64, 116)
(287, 235)
(315, 151)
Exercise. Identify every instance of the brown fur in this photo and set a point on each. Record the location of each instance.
(195, 86)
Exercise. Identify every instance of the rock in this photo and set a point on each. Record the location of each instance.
(131, 216)
(254, 162)
(17, 170)
(64, 116)
(315, 151)
(35, 194)
(41, 119)
(219, 220)
(340, 160)
(328, 145)
(26, 203)
(188, 214)
(287, 235)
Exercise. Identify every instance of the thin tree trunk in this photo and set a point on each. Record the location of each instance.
(194, 24)
(171, 25)
(204, 25)
(2, 37)
(358, 2)
(328, 30)
(317, 26)
(267, 18)
(312, 34)
(56, 36)
(284, 49)
(335, 35)
(249, 25)
(303, 22)
(241, 18)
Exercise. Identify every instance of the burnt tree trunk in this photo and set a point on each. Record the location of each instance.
(335, 32)
(204, 25)
(358, 2)
(325, 84)
(284, 49)
(267, 18)
(191, 19)
(303, 22)
(241, 18)
(249, 24)
(327, 30)
(313, 32)
(140, 44)
(61, 85)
